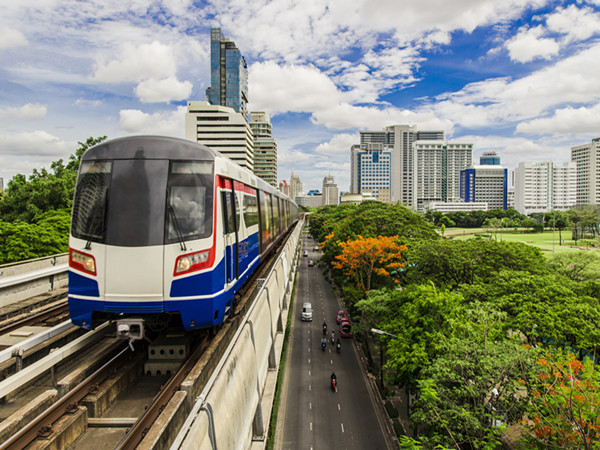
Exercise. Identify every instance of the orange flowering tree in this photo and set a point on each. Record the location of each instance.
(362, 257)
(565, 404)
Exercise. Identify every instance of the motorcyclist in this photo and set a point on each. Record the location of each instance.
(324, 328)
(338, 346)
(333, 381)
(332, 337)
(323, 344)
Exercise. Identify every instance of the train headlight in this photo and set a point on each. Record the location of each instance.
(82, 261)
(192, 262)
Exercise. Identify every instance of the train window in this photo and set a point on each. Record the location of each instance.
(250, 210)
(238, 210)
(190, 200)
(227, 212)
(265, 217)
(91, 200)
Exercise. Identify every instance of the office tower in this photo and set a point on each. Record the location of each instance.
(398, 140)
(587, 158)
(545, 186)
(330, 191)
(436, 171)
(265, 147)
(485, 183)
(295, 186)
(228, 74)
(284, 187)
(222, 129)
(489, 159)
(371, 170)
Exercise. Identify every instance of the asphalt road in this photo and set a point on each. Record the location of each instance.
(311, 415)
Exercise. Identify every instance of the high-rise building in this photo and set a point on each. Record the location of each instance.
(330, 191)
(284, 187)
(295, 186)
(587, 158)
(265, 147)
(436, 171)
(544, 186)
(485, 183)
(222, 129)
(398, 140)
(489, 159)
(371, 170)
(228, 74)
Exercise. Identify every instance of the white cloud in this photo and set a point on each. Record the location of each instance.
(339, 144)
(584, 120)
(576, 23)
(165, 90)
(11, 38)
(29, 111)
(34, 143)
(290, 88)
(137, 63)
(529, 45)
(169, 123)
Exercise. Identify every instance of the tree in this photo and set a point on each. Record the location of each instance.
(564, 408)
(363, 257)
(494, 225)
(557, 220)
(578, 265)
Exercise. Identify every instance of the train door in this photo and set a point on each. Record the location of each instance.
(230, 232)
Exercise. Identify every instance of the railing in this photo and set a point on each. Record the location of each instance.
(26, 279)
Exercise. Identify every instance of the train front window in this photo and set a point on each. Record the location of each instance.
(189, 201)
(91, 201)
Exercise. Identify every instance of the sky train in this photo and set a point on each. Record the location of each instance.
(165, 229)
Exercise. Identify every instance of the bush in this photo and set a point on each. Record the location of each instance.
(391, 410)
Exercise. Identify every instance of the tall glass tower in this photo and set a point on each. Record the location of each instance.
(228, 74)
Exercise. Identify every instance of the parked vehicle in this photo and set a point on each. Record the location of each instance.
(341, 315)
(346, 329)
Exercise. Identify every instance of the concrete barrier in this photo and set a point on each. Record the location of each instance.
(230, 413)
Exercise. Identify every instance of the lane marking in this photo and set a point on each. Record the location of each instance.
(309, 374)
(309, 360)
(311, 426)
(310, 387)
(309, 405)
(342, 427)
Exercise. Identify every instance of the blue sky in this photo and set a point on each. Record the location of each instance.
(516, 76)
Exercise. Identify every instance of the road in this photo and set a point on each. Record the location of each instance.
(312, 416)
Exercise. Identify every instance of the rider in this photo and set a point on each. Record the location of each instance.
(338, 343)
(333, 378)
(324, 328)
(332, 336)
(323, 343)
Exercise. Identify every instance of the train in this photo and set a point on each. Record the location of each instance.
(165, 232)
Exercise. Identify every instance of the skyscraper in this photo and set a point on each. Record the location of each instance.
(543, 186)
(330, 191)
(436, 171)
(485, 183)
(398, 140)
(223, 130)
(228, 74)
(587, 157)
(489, 159)
(295, 186)
(265, 147)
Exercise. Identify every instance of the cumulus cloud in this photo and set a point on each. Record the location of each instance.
(294, 88)
(165, 90)
(339, 144)
(169, 123)
(576, 23)
(136, 63)
(29, 111)
(11, 38)
(529, 45)
(582, 120)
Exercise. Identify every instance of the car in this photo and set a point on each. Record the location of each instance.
(307, 312)
(316, 248)
(305, 253)
(310, 263)
(345, 329)
(341, 315)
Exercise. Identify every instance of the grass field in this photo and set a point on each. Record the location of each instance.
(546, 241)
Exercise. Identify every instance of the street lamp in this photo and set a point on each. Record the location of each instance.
(381, 332)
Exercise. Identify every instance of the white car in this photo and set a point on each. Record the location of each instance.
(307, 312)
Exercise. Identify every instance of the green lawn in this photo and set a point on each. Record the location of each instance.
(545, 241)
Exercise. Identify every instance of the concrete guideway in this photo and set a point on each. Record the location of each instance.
(311, 414)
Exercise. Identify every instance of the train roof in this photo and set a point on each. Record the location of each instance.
(149, 147)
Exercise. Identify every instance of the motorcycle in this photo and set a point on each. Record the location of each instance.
(332, 338)
(338, 347)
(323, 344)
(334, 384)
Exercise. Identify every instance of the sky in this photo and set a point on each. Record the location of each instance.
(519, 77)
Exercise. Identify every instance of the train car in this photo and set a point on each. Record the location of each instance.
(165, 231)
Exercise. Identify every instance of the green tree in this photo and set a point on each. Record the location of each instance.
(557, 220)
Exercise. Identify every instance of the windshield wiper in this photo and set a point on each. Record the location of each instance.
(88, 244)
(177, 228)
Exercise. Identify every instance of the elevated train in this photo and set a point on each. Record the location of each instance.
(165, 232)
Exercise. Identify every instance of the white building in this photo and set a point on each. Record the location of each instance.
(485, 183)
(295, 186)
(450, 207)
(330, 191)
(545, 186)
(437, 166)
(222, 129)
(265, 147)
(587, 158)
(371, 170)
